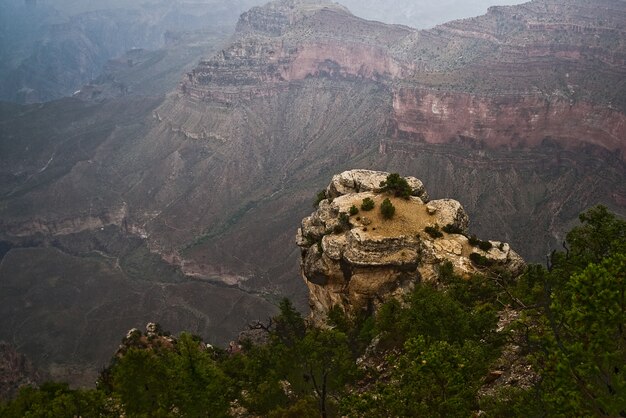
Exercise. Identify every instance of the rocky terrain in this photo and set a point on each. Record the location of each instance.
(183, 209)
(15, 371)
(359, 261)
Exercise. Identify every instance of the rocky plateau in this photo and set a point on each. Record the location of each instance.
(360, 262)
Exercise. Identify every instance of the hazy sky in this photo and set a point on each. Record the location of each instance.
(417, 13)
(421, 13)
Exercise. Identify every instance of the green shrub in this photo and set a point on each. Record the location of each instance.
(353, 210)
(485, 245)
(480, 260)
(367, 204)
(473, 241)
(387, 209)
(433, 231)
(398, 185)
(321, 195)
(452, 229)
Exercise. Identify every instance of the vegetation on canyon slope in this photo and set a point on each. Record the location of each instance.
(428, 355)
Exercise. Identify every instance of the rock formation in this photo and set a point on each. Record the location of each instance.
(358, 260)
(447, 84)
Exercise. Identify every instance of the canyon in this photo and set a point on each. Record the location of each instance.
(182, 209)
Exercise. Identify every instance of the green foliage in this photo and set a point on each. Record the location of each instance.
(452, 229)
(142, 382)
(578, 321)
(367, 204)
(473, 241)
(258, 373)
(480, 260)
(57, 400)
(512, 402)
(433, 231)
(327, 364)
(387, 209)
(485, 245)
(587, 349)
(344, 223)
(197, 383)
(443, 347)
(600, 235)
(436, 316)
(185, 379)
(289, 324)
(398, 185)
(353, 210)
(360, 330)
(321, 195)
(303, 408)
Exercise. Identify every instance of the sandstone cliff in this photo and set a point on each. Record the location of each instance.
(358, 261)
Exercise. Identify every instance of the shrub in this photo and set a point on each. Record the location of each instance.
(344, 219)
(321, 195)
(485, 245)
(433, 231)
(353, 210)
(480, 260)
(452, 229)
(397, 184)
(368, 204)
(473, 241)
(387, 209)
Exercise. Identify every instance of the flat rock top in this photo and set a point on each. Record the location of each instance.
(410, 218)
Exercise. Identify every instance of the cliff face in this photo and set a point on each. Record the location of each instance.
(287, 42)
(358, 261)
(511, 78)
(504, 121)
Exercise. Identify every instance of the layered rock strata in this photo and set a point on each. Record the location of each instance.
(510, 78)
(361, 260)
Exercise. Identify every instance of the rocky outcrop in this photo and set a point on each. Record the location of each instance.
(357, 181)
(359, 260)
(275, 45)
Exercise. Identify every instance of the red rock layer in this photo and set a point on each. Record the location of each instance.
(503, 121)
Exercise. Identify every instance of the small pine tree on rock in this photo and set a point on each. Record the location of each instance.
(398, 185)
(387, 209)
(368, 204)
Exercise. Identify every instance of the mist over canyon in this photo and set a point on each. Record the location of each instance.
(123, 204)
